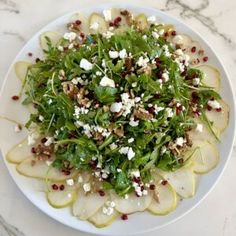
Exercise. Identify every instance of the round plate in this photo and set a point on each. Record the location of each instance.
(137, 223)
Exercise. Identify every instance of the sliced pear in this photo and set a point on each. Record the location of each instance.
(19, 152)
(53, 36)
(39, 169)
(181, 180)
(211, 76)
(205, 157)
(141, 22)
(193, 55)
(88, 204)
(165, 200)
(94, 19)
(205, 135)
(21, 68)
(183, 43)
(100, 220)
(166, 27)
(61, 199)
(220, 119)
(132, 203)
(84, 27)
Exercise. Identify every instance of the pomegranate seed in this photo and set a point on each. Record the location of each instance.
(173, 33)
(66, 172)
(219, 109)
(30, 54)
(151, 110)
(193, 49)
(142, 188)
(62, 187)
(82, 35)
(152, 187)
(137, 179)
(43, 140)
(101, 193)
(111, 24)
(33, 150)
(15, 97)
(166, 34)
(164, 182)
(78, 22)
(205, 59)
(54, 187)
(118, 19)
(93, 164)
(179, 110)
(124, 217)
(209, 108)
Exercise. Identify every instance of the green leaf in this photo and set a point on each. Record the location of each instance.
(105, 95)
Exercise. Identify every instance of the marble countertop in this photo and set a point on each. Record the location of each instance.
(214, 19)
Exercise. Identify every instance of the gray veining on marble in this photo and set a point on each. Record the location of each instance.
(9, 6)
(7, 229)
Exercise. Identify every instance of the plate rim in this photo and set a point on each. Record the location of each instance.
(159, 13)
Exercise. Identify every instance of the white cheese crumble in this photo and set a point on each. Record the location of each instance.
(71, 36)
(107, 15)
(127, 151)
(32, 137)
(165, 76)
(179, 52)
(151, 19)
(180, 141)
(108, 34)
(142, 62)
(144, 36)
(196, 81)
(130, 140)
(106, 82)
(80, 179)
(135, 173)
(133, 122)
(87, 187)
(161, 32)
(113, 54)
(155, 35)
(49, 141)
(60, 48)
(116, 107)
(199, 128)
(169, 112)
(214, 104)
(94, 26)
(70, 182)
(123, 53)
(85, 64)
(113, 146)
(98, 73)
(41, 118)
(178, 39)
(158, 109)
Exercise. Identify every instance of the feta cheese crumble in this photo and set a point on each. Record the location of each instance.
(180, 141)
(85, 64)
(116, 107)
(113, 54)
(94, 26)
(107, 15)
(214, 104)
(106, 82)
(87, 187)
(71, 36)
(151, 19)
(199, 128)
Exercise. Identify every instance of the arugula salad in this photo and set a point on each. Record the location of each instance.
(124, 111)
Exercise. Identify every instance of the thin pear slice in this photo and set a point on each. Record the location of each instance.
(164, 200)
(94, 19)
(132, 203)
(21, 68)
(184, 41)
(141, 22)
(205, 157)
(181, 180)
(88, 204)
(61, 199)
(211, 76)
(53, 36)
(19, 152)
(194, 55)
(205, 134)
(39, 169)
(220, 119)
(100, 220)
(84, 26)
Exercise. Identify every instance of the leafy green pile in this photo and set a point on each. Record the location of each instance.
(152, 139)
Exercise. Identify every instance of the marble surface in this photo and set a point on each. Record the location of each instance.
(20, 19)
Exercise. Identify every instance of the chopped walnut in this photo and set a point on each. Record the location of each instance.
(97, 136)
(142, 114)
(106, 108)
(69, 89)
(146, 70)
(119, 131)
(72, 26)
(128, 16)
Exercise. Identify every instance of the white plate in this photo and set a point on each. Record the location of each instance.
(137, 223)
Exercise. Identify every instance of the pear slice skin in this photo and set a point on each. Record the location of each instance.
(97, 18)
(21, 68)
(53, 36)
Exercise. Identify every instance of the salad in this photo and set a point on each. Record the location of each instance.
(124, 112)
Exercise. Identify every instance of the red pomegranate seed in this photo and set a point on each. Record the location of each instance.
(173, 33)
(118, 19)
(151, 110)
(30, 54)
(219, 109)
(78, 22)
(82, 35)
(62, 187)
(137, 179)
(15, 97)
(164, 182)
(54, 187)
(124, 217)
(152, 187)
(101, 193)
(205, 59)
(33, 150)
(142, 188)
(193, 49)
(66, 172)
(209, 108)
